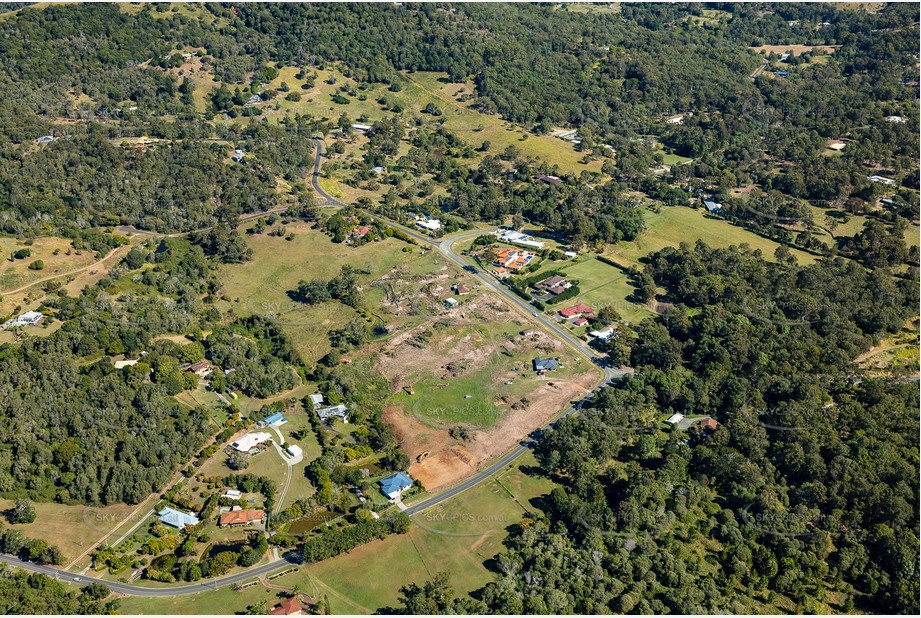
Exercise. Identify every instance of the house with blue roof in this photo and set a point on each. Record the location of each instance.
(177, 519)
(274, 420)
(395, 484)
(713, 206)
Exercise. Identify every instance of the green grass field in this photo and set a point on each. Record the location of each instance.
(677, 224)
(471, 397)
(602, 284)
(72, 528)
(261, 285)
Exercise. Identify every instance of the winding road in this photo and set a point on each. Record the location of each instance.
(444, 246)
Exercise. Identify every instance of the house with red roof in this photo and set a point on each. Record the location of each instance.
(242, 517)
(575, 312)
(288, 607)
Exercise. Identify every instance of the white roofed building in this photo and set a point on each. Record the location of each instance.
(250, 441)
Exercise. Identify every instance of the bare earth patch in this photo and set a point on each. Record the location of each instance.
(458, 347)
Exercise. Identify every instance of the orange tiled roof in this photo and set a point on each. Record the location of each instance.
(242, 517)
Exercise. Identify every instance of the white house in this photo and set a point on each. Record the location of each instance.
(237, 155)
(882, 179)
(450, 303)
(233, 494)
(518, 238)
(674, 419)
(604, 334)
(317, 400)
(29, 318)
(250, 441)
(364, 128)
(429, 224)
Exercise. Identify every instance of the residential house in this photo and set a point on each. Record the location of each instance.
(709, 425)
(254, 100)
(603, 334)
(377, 170)
(550, 180)
(317, 400)
(513, 259)
(288, 607)
(674, 419)
(250, 441)
(460, 289)
(554, 285)
(784, 57)
(432, 225)
(679, 119)
(199, 366)
(30, 318)
(580, 322)
(882, 180)
(338, 411)
(44, 139)
(177, 519)
(237, 156)
(712, 206)
(574, 312)
(242, 517)
(395, 484)
(542, 365)
(273, 420)
(519, 238)
(361, 231)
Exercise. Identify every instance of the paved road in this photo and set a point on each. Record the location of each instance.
(142, 591)
(315, 178)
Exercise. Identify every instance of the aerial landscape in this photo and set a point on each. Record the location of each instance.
(459, 308)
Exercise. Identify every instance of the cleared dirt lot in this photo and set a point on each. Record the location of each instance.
(469, 369)
(796, 50)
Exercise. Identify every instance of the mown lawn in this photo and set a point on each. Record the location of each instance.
(676, 224)
(602, 284)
